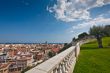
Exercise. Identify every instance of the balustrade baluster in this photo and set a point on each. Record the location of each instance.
(56, 70)
(63, 67)
(60, 68)
(52, 71)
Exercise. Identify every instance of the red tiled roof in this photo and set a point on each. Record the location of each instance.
(55, 50)
(4, 65)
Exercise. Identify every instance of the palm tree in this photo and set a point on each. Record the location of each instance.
(98, 32)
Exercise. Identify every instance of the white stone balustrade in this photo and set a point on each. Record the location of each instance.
(61, 63)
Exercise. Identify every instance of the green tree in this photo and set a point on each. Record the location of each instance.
(82, 35)
(74, 39)
(51, 54)
(66, 46)
(107, 30)
(98, 32)
(28, 68)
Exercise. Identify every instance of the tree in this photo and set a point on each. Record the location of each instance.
(66, 46)
(74, 39)
(107, 30)
(51, 54)
(82, 35)
(26, 69)
(98, 32)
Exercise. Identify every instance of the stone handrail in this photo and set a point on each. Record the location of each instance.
(61, 63)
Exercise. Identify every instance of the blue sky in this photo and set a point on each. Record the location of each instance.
(50, 20)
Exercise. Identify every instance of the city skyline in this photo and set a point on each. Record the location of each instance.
(50, 20)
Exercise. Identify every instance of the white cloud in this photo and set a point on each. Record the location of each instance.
(71, 31)
(73, 10)
(90, 23)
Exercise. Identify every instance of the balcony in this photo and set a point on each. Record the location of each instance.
(61, 63)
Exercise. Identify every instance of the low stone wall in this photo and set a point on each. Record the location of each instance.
(64, 62)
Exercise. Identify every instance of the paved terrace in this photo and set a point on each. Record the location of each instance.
(61, 63)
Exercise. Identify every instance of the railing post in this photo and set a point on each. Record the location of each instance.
(77, 50)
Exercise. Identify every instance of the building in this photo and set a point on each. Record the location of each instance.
(4, 67)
